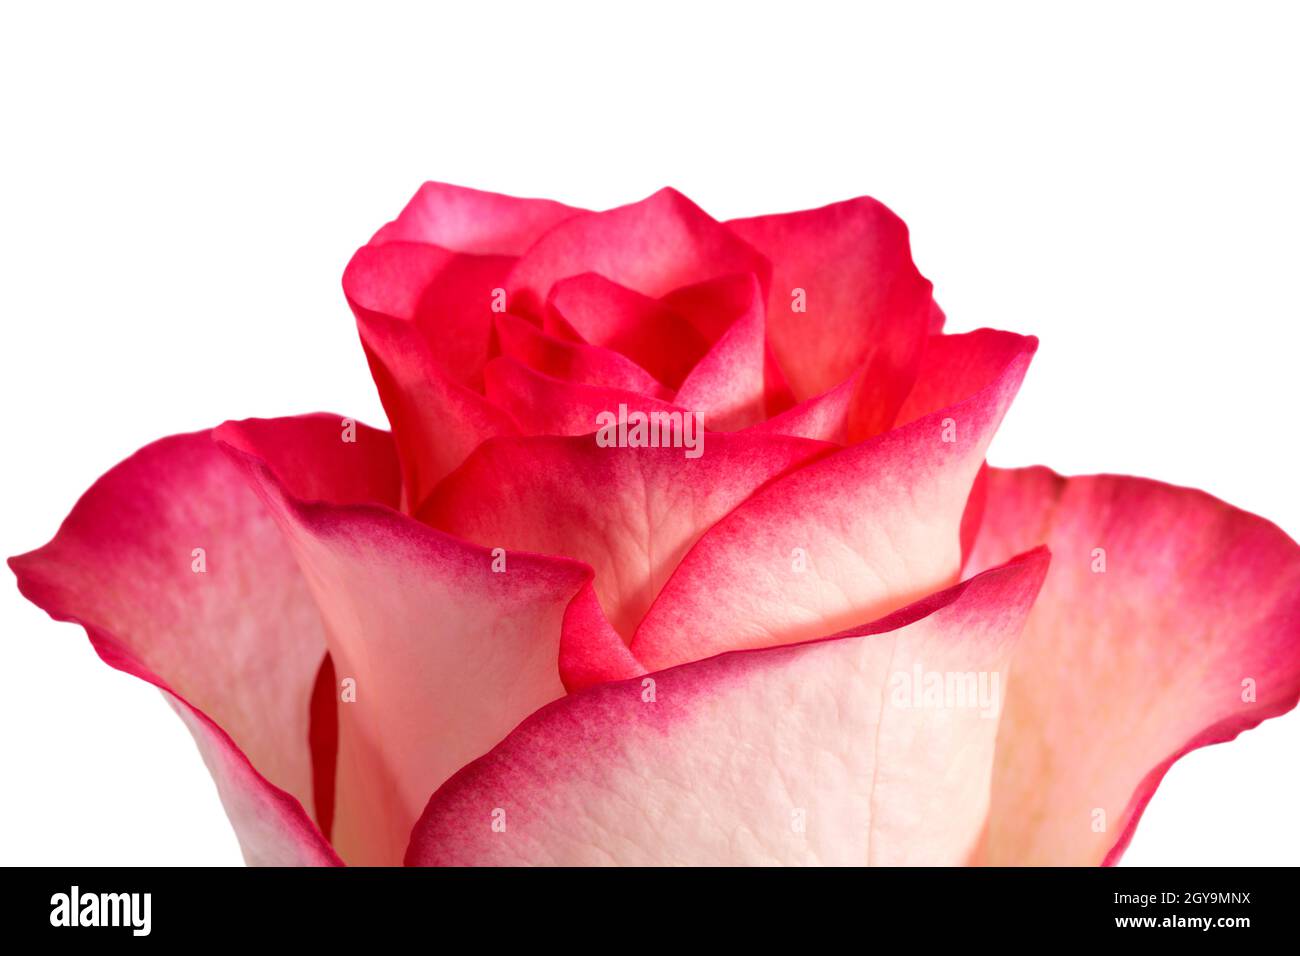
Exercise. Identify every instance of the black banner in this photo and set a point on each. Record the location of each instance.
(980, 907)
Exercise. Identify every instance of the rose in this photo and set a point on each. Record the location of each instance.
(833, 636)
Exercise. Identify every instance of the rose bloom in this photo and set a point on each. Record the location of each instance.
(681, 550)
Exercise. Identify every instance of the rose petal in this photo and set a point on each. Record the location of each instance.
(955, 366)
(937, 318)
(471, 220)
(952, 367)
(630, 513)
(591, 651)
(865, 301)
(436, 421)
(973, 515)
(446, 653)
(728, 385)
(323, 737)
(575, 362)
(644, 329)
(541, 405)
(788, 755)
(824, 417)
(271, 826)
(653, 246)
(1122, 671)
(450, 298)
(425, 292)
(237, 644)
(850, 536)
(713, 308)
(322, 457)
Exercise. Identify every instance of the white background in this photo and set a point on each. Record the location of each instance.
(181, 192)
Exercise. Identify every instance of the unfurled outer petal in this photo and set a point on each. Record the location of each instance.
(181, 577)
(844, 293)
(270, 824)
(1169, 620)
(848, 537)
(440, 647)
(817, 753)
